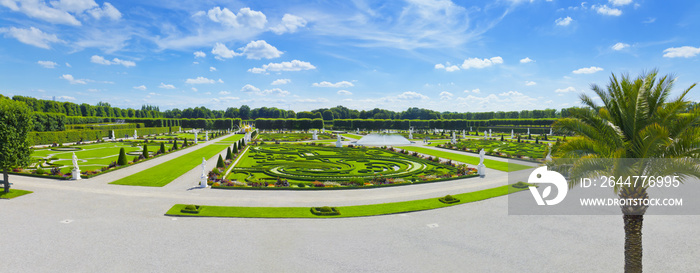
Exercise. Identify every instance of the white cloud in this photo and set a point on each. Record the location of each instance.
(220, 50)
(344, 92)
(199, 54)
(340, 84)
(72, 80)
(620, 2)
(565, 90)
(229, 98)
(319, 100)
(75, 6)
(211, 68)
(250, 88)
(290, 23)
(294, 65)
(274, 91)
(224, 93)
(563, 21)
(31, 36)
(684, 51)
(526, 60)
(605, 10)
(47, 64)
(65, 98)
(194, 89)
(68, 65)
(587, 70)
(481, 63)
(166, 86)
(101, 60)
(410, 95)
(93, 90)
(447, 67)
(260, 49)
(281, 81)
(107, 11)
(620, 46)
(244, 18)
(39, 10)
(476, 91)
(200, 80)
(530, 83)
(140, 87)
(444, 95)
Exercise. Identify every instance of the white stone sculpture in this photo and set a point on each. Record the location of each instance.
(76, 169)
(314, 136)
(338, 144)
(195, 136)
(454, 139)
(203, 178)
(135, 135)
(481, 168)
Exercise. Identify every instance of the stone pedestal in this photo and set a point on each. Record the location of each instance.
(203, 182)
(481, 169)
(76, 174)
(338, 144)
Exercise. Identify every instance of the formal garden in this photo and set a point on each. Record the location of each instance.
(505, 148)
(313, 166)
(292, 136)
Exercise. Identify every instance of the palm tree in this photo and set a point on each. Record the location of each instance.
(636, 120)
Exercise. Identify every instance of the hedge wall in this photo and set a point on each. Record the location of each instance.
(47, 122)
(40, 138)
(105, 127)
(289, 123)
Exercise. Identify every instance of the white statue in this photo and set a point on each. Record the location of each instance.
(112, 138)
(549, 153)
(454, 139)
(206, 136)
(203, 179)
(511, 134)
(76, 169)
(470, 128)
(410, 133)
(179, 129)
(485, 134)
(528, 131)
(135, 135)
(489, 132)
(195, 136)
(481, 168)
(338, 144)
(314, 136)
(463, 135)
(358, 130)
(550, 131)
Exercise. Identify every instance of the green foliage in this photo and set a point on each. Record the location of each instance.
(122, 161)
(521, 185)
(220, 162)
(175, 145)
(448, 199)
(145, 150)
(228, 153)
(15, 123)
(325, 211)
(191, 209)
(162, 147)
(184, 144)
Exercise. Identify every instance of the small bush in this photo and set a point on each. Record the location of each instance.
(191, 209)
(220, 162)
(40, 171)
(448, 199)
(174, 145)
(521, 185)
(301, 185)
(162, 147)
(325, 211)
(122, 157)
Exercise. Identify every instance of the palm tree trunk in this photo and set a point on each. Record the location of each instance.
(633, 243)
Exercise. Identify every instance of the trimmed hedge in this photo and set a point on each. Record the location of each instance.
(191, 209)
(448, 199)
(39, 138)
(325, 211)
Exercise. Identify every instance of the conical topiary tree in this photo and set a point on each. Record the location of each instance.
(162, 147)
(228, 153)
(122, 157)
(145, 150)
(175, 145)
(235, 148)
(185, 143)
(220, 162)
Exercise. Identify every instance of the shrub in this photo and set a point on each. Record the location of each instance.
(521, 185)
(301, 185)
(191, 209)
(325, 211)
(40, 171)
(145, 150)
(122, 157)
(184, 144)
(228, 153)
(174, 145)
(162, 147)
(448, 199)
(220, 162)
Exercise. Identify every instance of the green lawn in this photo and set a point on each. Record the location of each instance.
(290, 136)
(349, 211)
(492, 164)
(162, 174)
(13, 193)
(350, 136)
(507, 147)
(91, 156)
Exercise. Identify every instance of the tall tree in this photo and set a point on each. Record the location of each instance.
(637, 120)
(15, 149)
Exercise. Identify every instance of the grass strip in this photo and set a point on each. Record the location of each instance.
(164, 173)
(348, 211)
(13, 193)
(491, 164)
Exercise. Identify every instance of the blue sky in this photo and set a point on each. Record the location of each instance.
(302, 55)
